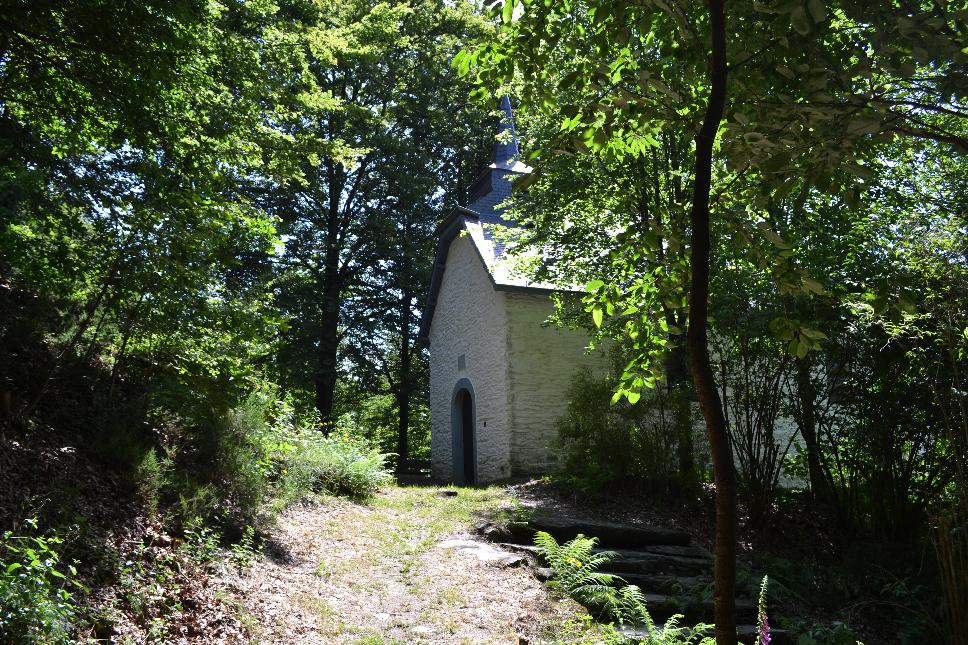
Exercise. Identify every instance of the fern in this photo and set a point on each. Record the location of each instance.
(575, 567)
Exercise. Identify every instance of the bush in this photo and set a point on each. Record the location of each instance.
(339, 464)
(36, 603)
(149, 480)
(222, 466)
(225, 462)
(650, 442)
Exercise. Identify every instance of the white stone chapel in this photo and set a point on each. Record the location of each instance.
(498, 376)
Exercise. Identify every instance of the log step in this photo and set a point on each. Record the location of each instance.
(678, 585)
(747, 634)
(609, 534)
(639, 562)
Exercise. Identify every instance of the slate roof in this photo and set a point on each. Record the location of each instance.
(492, 188)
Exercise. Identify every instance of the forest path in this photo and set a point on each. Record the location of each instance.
(375, 573)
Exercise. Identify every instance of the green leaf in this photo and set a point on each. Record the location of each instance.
(633, 397)
(817, 11)
(813, 285)
(813, 334)
(508, 12)
(594, 286)
(777, 241)
(798, 20)
(597, 316)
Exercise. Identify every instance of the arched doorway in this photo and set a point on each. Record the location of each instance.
(464, 435)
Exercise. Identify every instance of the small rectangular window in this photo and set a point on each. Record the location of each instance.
(461, 363)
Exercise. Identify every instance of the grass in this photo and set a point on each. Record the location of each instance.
(413, 519)
(375, 572)
(329, 617)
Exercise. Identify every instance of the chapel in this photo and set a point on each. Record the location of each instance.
(499, 376)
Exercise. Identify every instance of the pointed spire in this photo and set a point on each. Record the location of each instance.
(506, 151)
(506, 148)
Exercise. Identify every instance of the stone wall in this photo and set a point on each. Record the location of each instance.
(469, 321)
(543, 362)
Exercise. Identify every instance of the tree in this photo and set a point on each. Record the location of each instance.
(377, 136)
(126, 130)
(816, 88)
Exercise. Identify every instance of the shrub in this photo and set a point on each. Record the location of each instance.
(36, 602)
(201, 542)
(243, 552)
(227, 464)
(650, 442)
(226, 461)
(339, 464)
(149, 480)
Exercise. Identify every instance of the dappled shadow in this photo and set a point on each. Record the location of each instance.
(414, 479)
(277, 552)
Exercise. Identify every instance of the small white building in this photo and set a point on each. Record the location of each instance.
(498, 376)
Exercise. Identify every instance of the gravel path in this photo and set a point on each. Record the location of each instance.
(340, 572)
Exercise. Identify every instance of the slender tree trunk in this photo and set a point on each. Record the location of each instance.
(702, 373)
(808, 428)
(405, 387)
(332, 292)
(328, 347)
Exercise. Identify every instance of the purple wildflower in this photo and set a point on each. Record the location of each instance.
(762, 620)
(764, 631)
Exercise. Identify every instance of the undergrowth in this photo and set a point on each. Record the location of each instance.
(208, 487)
(36, 588)
(575, 567)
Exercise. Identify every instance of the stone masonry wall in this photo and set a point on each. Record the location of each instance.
(543, 362)
(469, 320)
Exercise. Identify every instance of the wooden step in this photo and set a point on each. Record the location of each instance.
(746, 633)
(651, 583)
(650, 562)
(662, 607)
(609, 534)
(638, 562)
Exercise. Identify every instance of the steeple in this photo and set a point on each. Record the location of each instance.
(493, 185)
(506, 148)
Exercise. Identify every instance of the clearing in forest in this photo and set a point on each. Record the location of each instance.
(343, 572)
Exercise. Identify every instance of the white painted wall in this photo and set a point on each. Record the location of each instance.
(543, 362)
(469, 319)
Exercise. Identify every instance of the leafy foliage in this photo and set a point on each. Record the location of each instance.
(575, 565)
(36, 589)
(650, 443)
(339, 464)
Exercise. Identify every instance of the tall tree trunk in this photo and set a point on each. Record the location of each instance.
(332, 291)
(702, 373)
(808, 428)
(328, 347)
(404, 387)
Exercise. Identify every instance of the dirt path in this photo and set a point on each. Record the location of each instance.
(340, 572)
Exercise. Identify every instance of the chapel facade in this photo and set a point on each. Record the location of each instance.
(499, 377)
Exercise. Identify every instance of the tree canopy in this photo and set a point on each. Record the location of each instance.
(217, 222)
